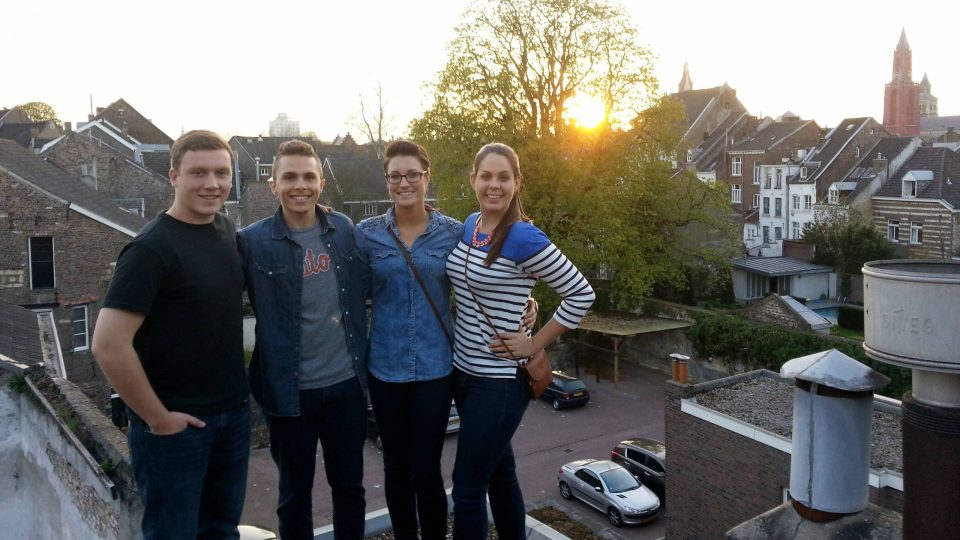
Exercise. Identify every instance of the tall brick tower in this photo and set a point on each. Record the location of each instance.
(901, 97)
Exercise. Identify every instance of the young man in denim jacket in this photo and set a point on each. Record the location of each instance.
(307, 286)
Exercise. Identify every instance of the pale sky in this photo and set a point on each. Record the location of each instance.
(232, 66)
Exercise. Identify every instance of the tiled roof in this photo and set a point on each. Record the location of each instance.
(47, 177)
(778, 266)
(121, 114)
(20, 132)
(939, 123)
(695, 102)
(357, 178)
(20, 335)
(945, 166)
(770, 136)
(833, 143)
(158, 162)
(863, 172)
(714, 144)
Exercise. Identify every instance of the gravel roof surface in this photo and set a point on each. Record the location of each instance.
(768, 404)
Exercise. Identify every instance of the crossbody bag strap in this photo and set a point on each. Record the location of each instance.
(477, 303)
(423, 286)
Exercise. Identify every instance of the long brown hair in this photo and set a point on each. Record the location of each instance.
(514, 210)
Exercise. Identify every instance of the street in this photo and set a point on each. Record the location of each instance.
(546, 440)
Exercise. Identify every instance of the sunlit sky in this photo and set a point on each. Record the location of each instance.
(232, 66)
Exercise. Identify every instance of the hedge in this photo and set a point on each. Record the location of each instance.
(850, 318)
(757, 345)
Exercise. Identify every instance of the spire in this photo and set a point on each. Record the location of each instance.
(685, 83)
(903, 40)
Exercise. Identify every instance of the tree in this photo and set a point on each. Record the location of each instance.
(375, 123)
(38, 111)
(606, 196)
(844, 240)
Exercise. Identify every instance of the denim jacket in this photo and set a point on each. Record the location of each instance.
(406, 340)
(272, 264)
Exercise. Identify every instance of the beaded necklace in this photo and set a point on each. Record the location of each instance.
(479, 243)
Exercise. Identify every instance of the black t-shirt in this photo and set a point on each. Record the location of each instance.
(187, 281)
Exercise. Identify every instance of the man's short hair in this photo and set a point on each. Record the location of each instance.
(196, 140)
(296, 148)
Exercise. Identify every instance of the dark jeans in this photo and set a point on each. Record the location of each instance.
(337, 417)
(412, 420)
(192, 483)
(490, 412)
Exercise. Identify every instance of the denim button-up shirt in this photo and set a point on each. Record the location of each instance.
(407, 342)
(273, 268)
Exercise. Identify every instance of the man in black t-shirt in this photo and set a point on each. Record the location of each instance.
(169, 339)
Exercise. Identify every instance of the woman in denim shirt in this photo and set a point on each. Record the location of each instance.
(410, 360)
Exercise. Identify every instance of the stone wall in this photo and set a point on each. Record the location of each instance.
(773, 310)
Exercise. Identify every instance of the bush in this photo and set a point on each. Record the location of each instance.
(850, 318)
(763, 346)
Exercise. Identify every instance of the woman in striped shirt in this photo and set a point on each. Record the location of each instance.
(493, 268)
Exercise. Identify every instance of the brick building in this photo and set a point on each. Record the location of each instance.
(901, 96)
(918, 208)
(108, 166)
(729, 444)
(60, 241)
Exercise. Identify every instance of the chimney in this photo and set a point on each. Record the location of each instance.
(911, 320)
(678, 366)
(830, 456)
(67, 127)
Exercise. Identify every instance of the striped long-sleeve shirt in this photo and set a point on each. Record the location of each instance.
(503, 287)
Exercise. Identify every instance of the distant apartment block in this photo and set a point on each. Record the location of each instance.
(284, 126)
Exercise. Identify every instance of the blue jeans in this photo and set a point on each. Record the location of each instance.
(412, 420)
(490, 412)
(192, 483)
(336, 416)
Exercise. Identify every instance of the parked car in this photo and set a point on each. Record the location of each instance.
(373, 431)
(647, 460)
(566, 391)
(609, 488)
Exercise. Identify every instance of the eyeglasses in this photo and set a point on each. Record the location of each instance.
(412, 176)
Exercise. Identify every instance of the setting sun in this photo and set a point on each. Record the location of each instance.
(585, 111)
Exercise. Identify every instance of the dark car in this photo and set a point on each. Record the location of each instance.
(566, 391)
(373, 431)
(647, 460)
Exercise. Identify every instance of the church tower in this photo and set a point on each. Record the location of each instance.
(928, 101)
(901, 97)
(685, 83)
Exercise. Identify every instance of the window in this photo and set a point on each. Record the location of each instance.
(369, 209)
(833, 196)
(766, 206)
(766, 234)
(756, 200)
(777, 233)
(80, 328)
(807, 202)
(778, 207)
(756, 173)
(767, 180)
(41, 263)
(856, 151)
(893, 230)
(803, 172)
(689, 155)
(807, 226)
(779, 178)
(795, 230)
(909, 188)
(736, 167)
(264, 171)
(916, 232)
(735, 193)
(796, 202)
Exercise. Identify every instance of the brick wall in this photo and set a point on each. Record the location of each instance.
(84, 253)
(117, 177)
(939, 226)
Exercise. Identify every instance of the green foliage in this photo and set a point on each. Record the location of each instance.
(38, 111)
(850, 318)
(761, 346)
(607, 197)
(18, 383)
(108, 466)
(846, 241)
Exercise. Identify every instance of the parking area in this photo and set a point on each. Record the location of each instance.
(546, 440)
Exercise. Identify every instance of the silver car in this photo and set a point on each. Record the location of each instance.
(609, 488)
